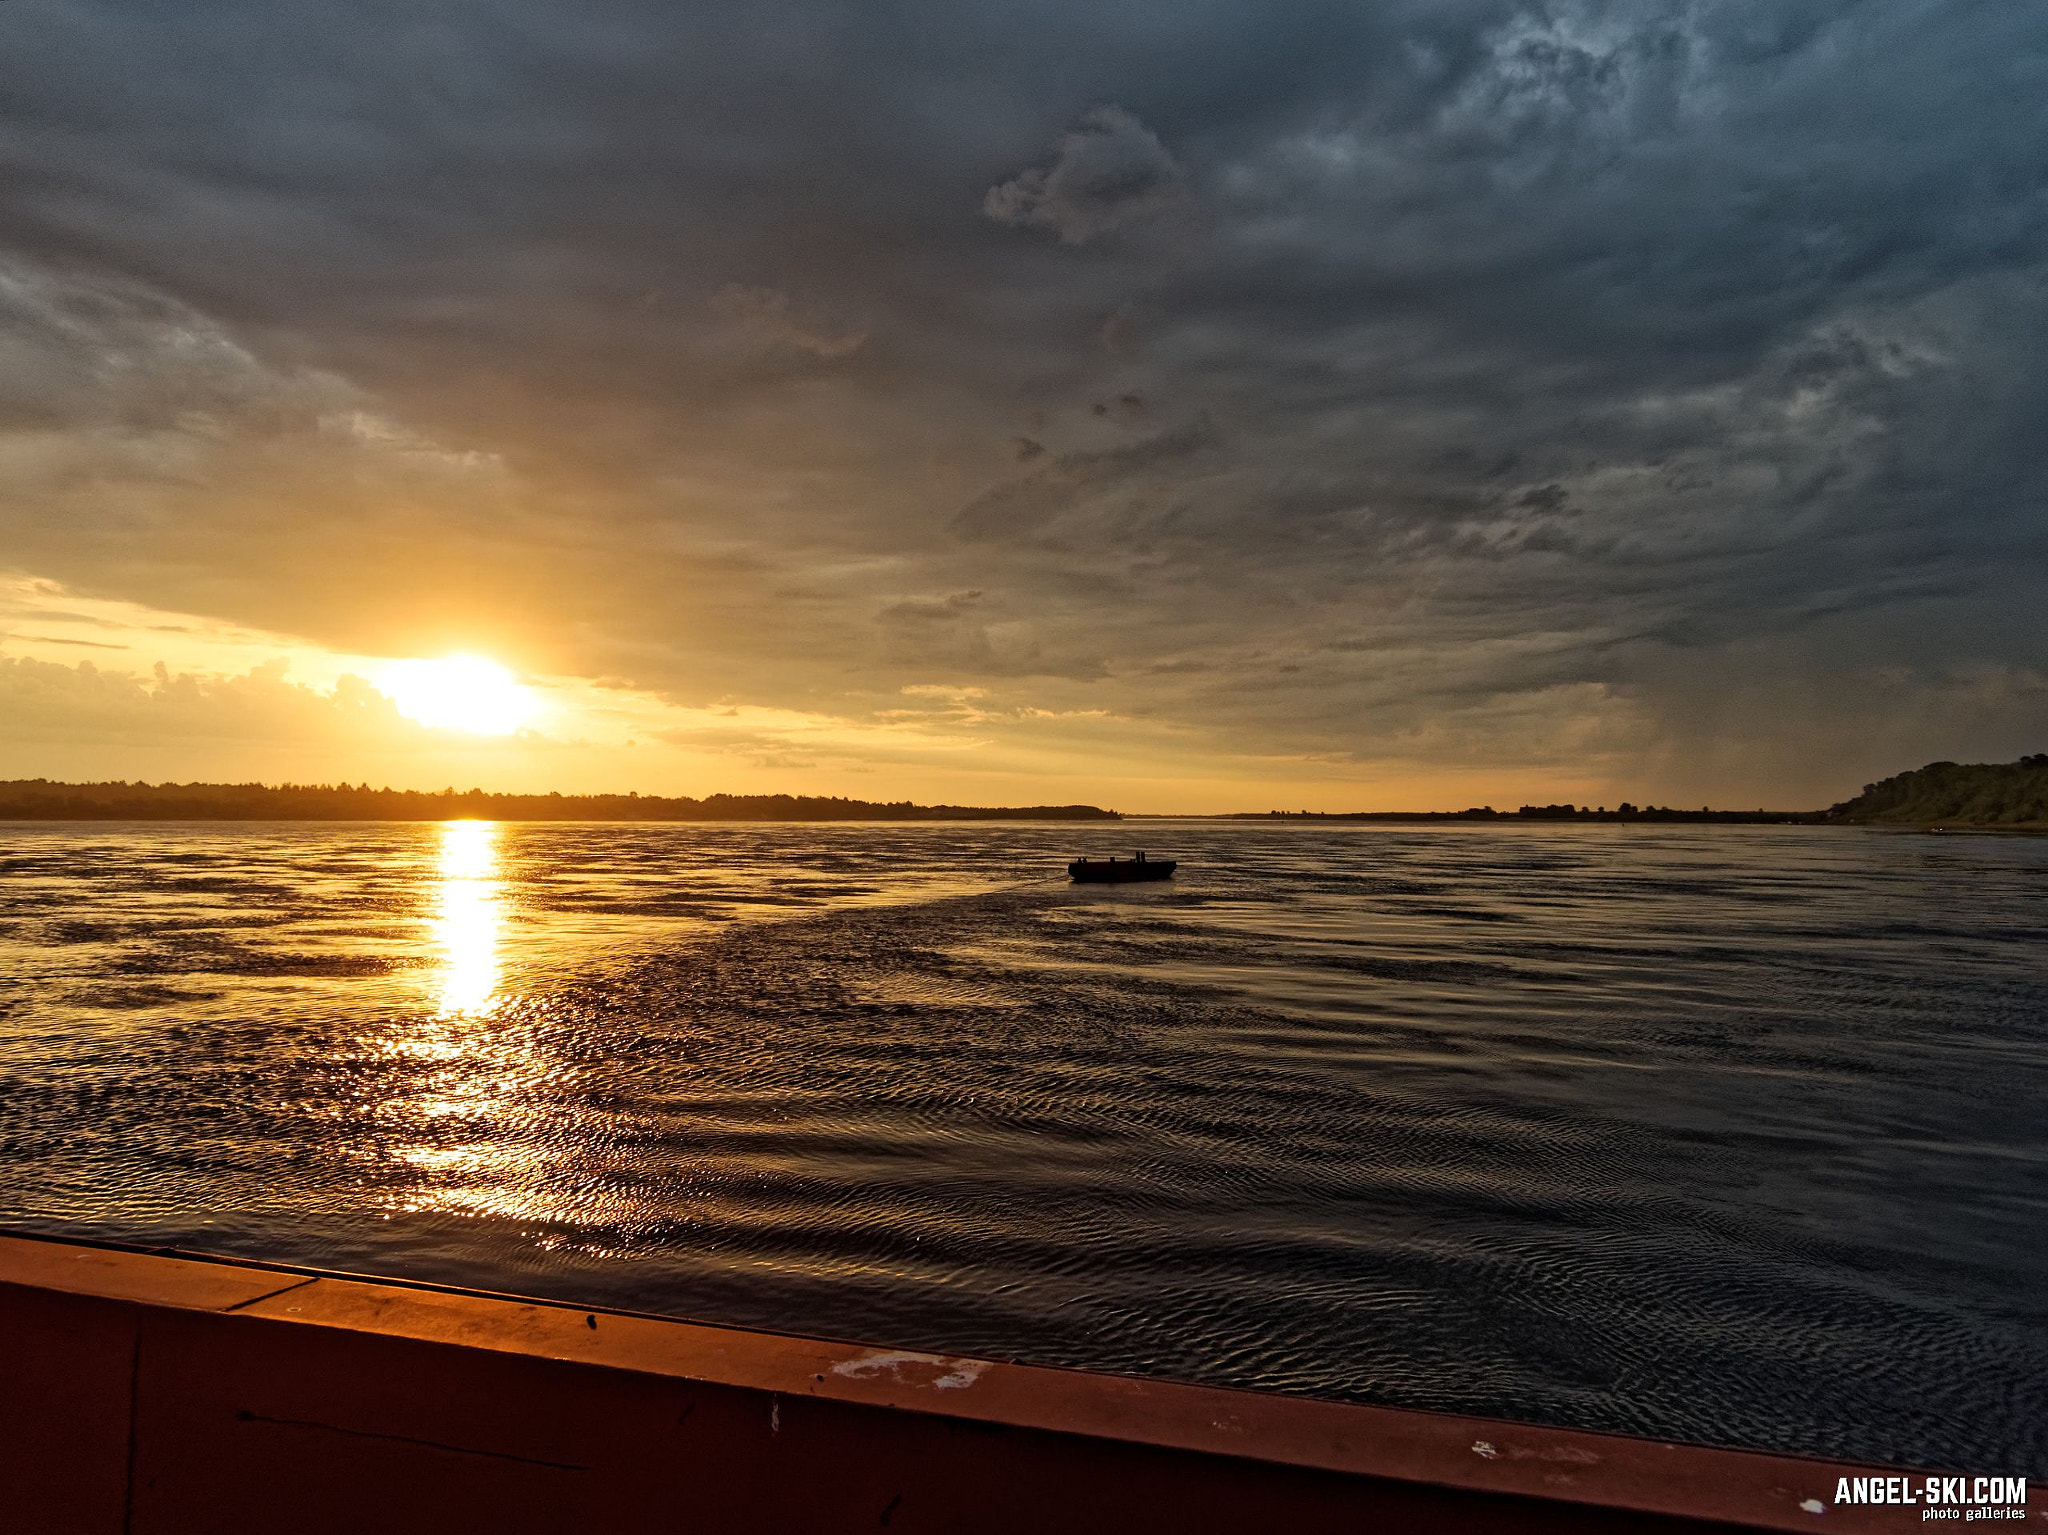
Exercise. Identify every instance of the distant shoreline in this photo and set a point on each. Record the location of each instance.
(43, 800)
(1941, 798)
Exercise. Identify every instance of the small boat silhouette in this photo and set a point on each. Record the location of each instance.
(1106, 871)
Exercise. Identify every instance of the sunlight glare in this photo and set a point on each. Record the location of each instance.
(458, 693)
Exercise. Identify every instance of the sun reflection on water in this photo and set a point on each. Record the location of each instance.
(480, 1115)
(479, 1125)
(469, 914)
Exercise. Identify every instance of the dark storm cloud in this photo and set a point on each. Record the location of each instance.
(1110, 169)
(1513, 381)
(1023, 506)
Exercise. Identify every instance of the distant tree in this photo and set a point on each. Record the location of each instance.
(1955, 794)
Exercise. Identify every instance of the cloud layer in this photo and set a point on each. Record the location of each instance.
(1110, 169)
(1645, 395)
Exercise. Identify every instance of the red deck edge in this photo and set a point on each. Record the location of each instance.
(167, 1388)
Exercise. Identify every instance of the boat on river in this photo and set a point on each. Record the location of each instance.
(1117, 871)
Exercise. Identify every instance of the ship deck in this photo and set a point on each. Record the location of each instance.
(160, 1394)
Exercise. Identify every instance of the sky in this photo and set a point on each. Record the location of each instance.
(1173, 407)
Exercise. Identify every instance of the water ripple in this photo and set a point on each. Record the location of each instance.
(1726, 1134)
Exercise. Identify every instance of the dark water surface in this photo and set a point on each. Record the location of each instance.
(1728, 1134)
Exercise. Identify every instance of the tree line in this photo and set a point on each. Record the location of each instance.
(40, 799)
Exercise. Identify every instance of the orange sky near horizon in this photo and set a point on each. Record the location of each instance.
(100, 688)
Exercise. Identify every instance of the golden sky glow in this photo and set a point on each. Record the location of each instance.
(108, 688)
(458, 692)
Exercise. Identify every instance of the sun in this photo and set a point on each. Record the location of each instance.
(459, 693)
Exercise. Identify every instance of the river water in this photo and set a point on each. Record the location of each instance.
(1722, 1134)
